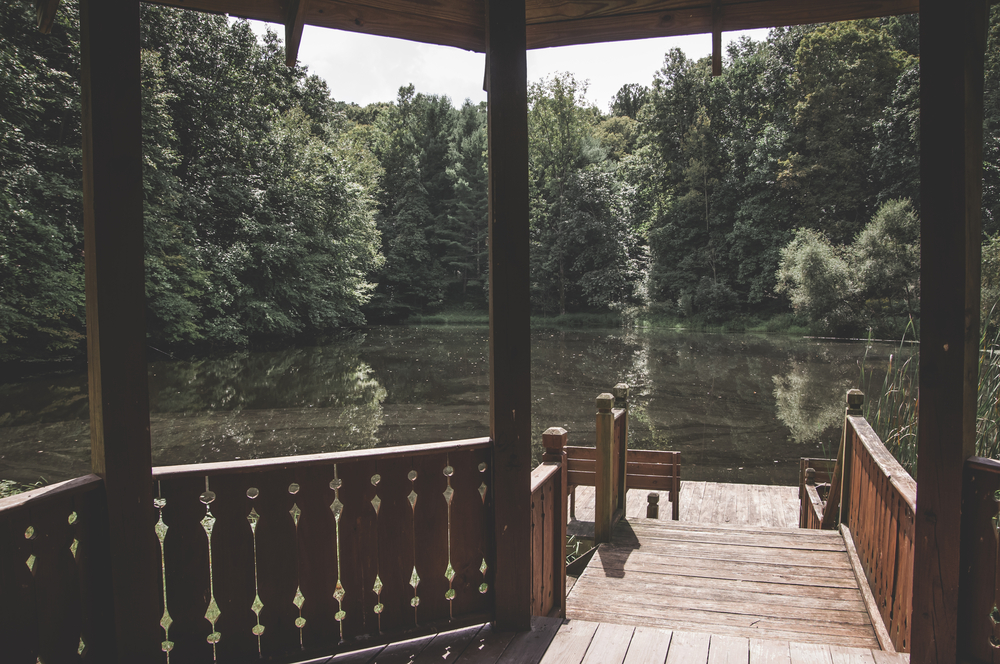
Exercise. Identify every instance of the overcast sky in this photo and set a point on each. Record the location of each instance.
(362, 69)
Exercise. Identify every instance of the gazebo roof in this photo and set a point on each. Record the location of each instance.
(461, 23)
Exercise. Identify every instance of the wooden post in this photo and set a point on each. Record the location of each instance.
(510, 352)
(621, 401)
(653, 505)
(716, 37)
(554, 440)
(952, 46)
(604, 507)
(116, 312)
(855, 406)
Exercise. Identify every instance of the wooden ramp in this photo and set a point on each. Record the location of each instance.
(702, 502)
(552, 641)
(736, 581)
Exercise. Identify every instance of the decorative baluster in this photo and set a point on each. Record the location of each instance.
(337, 508)
(257, 605)
(299, 598)
(161, 534)
(483, 587)
(377, 588)
(414, 577)
(213, 612)
(449, 572)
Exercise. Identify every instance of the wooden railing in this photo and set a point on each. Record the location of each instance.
(54, 574)
(323, 553)
(979, 584)
(548, 527)
(280, 559)
(873, 498)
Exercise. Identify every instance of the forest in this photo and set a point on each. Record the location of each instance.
(784, 192)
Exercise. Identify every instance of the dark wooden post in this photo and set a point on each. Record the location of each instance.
(116, 312)
(855, 406)
(554, 440)
(604, 507)
(653, 505)
(510, 352)
(952, 45)
(621, 401)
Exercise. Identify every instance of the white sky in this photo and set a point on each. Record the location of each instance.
(363, 69)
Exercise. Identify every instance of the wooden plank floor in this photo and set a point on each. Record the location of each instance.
(553, 641)
(747, 582)
(703, 502)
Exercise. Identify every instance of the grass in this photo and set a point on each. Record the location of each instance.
(11, 488)
(892, 408)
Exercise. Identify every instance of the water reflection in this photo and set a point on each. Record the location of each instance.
(740, 408)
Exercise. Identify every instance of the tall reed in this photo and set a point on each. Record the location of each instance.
(892, 408)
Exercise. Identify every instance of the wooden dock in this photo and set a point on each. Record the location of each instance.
(553, 641)
(703, 502)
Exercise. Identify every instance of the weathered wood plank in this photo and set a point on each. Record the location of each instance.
(648, 646)
(688, 648)
(446, 646)
(571, 642)
(841, 655)
(809, 653)
(769, 652)
(610, 644)
(728, 650)
(531, 646)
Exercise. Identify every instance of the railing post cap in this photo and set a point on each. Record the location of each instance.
(605, 401)
(554, 431)
(620, 391)
(653, 497)
(855, 400)
(810, 476)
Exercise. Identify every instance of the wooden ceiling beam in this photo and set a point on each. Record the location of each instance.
(294, 23)
(46, 12)
(716, 37)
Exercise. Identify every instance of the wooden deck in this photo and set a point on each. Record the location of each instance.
(553, 641)
(703, 502)
(739, 581)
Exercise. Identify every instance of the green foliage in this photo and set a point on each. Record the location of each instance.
(872, 282)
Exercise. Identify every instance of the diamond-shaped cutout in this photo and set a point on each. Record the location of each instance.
(299, 598)
(482, 491)
(337, 507)
(166, 621)
(449, 573)
(376, 503)
(413, 499)
(161, 529)
(414, 578)
(448, 493)
(30, 562)
(253, 518)
(74, 546)
(339, 593)
(483, 567)
(377, 588)
(213, 612)
(296, 513)
(208, 523)
(257, 605)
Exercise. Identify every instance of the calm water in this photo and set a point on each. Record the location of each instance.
(740, 408)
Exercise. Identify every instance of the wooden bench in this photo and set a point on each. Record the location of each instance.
(652, 470)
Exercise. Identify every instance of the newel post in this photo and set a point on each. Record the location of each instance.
(855, 404)
(604, 507)
(621, 393)
(554, 440)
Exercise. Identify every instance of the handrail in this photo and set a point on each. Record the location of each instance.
(876, 499)
(548, 527)
(61, 490)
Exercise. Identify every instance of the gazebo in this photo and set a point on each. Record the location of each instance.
(126, 554)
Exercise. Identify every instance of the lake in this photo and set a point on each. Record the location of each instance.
(741, 408)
